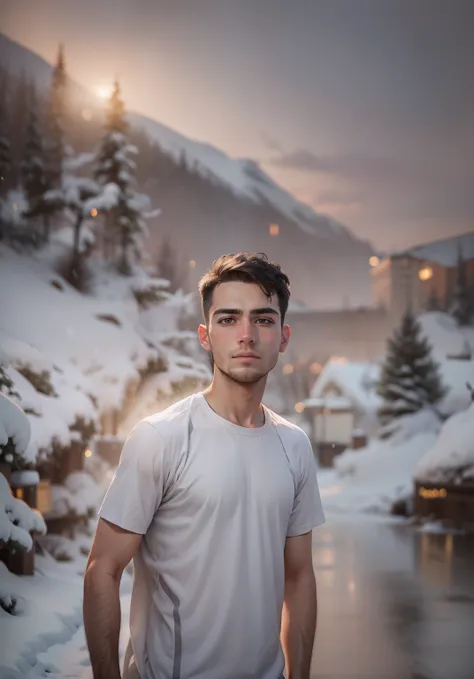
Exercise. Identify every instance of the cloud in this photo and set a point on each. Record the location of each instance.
(348, 166)
(270, 142)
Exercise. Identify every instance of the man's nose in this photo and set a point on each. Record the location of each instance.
(247, 331)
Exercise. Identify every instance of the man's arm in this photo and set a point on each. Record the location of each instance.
(112, 550)
(299, 613)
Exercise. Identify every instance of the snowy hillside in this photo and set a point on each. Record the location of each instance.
(242, 176)
(85, 349)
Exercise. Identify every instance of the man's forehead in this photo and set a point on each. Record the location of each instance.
(245, 296)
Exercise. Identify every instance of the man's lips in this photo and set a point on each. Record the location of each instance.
(246, 356)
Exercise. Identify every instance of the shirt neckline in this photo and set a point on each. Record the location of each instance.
(220, 421)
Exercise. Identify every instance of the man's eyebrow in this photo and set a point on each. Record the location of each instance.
(238, 312)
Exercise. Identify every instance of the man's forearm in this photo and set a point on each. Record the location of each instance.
(298, 628)
(102, 622)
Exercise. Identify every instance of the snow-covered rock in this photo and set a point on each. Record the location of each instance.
(451, 458)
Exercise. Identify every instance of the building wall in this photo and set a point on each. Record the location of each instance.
(358, 335)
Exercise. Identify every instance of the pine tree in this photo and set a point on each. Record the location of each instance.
(410, 377)
(125, 219)
(55, 122)
(5, 161)
(462, 304)
(33, 171)
(5, 152)
(169, 267)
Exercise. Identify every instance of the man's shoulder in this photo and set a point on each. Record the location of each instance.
(172, 421)
(287, 429)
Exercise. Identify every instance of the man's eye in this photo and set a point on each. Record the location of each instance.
(223, 321)
(265, 321)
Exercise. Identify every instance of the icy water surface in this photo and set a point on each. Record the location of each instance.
(394, 603)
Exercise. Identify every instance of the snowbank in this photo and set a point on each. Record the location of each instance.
(451, 459)
(373, 478)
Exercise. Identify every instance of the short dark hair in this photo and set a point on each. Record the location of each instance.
(246, 267)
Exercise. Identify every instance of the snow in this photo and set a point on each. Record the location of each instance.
(24, 478)
(244, 177)
(79, 495)
(17, 520)
(13, 207)
(372, 478)
(13, 424)
(46, 636)
(451, 459)
(356, 381)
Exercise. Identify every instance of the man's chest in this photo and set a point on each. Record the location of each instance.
(227, 474)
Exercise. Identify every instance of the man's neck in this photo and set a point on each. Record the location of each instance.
(238, 403)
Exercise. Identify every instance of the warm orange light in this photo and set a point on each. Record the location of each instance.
(104, 91)
(299, 407)
(288, 369)
(88, 453)
(94, 212)
(19, 493)
(192, 263)
(274, 229)
(374, 261)
(315, 368)
(432, 493)
(425, 274)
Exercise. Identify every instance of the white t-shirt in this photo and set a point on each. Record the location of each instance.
(215, 502)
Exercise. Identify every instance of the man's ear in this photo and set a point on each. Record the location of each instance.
(285, 338)
(204, 337)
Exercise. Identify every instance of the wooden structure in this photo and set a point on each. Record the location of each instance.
(453, 504)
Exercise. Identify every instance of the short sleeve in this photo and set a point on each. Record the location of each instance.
(307, 507)
(136, 489)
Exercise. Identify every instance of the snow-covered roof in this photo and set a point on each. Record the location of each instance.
(333, 403)
(355, 381)
(444, 252)
(451, 459)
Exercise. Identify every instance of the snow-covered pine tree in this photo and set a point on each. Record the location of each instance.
(462, 307)
(410, 378)
(33, 171)
(125, 219)
(55, 114)
(74, 198)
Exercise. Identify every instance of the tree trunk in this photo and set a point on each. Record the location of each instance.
(77, 231)
(46, 228)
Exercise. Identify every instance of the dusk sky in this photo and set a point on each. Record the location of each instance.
(364, 109)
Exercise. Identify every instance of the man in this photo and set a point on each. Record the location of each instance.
(214, 499)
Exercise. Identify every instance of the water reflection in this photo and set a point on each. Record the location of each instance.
(394, 603)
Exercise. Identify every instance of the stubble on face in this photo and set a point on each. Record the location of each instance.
(226, 342)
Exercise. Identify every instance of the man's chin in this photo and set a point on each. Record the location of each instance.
(245, 375)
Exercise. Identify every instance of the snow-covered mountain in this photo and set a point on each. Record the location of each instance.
(232, 208)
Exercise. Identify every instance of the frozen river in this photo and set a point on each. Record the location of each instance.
(394, 603)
